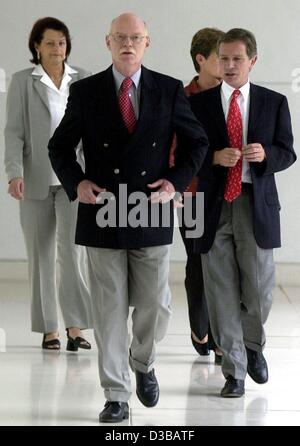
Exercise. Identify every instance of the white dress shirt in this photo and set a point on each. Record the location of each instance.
(244, 103)
(57, 99)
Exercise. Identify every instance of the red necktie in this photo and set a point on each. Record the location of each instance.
(233, 185)
(126, 106)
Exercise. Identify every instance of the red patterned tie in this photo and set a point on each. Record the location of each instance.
(233, 185)
(126, 106)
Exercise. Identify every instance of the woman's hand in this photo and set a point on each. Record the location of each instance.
(16, 188)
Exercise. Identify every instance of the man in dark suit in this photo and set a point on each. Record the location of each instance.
(250, 138)
(126, 117)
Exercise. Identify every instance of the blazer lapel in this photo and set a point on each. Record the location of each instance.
(150, 97)
(149, 101)
(75, 77)
(256, 111)
(40, 89)
(110, 107)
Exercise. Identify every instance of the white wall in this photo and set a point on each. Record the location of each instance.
(172, 24)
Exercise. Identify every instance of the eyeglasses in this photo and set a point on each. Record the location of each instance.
(122, 38)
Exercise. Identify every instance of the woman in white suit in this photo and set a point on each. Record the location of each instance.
(36, 102)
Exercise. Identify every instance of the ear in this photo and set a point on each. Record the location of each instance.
(253, 61)
(147, 41)
(200, 59)
(107, 41)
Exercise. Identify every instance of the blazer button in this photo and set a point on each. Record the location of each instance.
(116, 171)
(143, 173)
(154, 144)
(105, 144)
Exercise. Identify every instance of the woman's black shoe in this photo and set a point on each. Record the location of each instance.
(52, 344)
(78, 342)
(202, 349)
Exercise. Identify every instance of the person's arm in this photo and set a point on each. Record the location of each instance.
(280, 154)
(14, 132)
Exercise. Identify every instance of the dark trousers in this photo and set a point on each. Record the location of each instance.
(197, 306)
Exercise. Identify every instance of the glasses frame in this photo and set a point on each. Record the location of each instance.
(122, 38)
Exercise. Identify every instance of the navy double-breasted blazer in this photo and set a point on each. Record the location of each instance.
(113, 157)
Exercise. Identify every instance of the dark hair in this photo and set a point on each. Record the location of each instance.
(204, 42)
(242, 35)
(37, 33)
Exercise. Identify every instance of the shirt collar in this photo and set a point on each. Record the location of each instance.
(39, 71)
(136, 77)
(227, 90)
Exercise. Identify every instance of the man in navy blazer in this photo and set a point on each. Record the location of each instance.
(128, 261)
(239, 235)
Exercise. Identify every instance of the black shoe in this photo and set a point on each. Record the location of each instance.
(147, 388)
(75, 343)
(53, 344)
(218, 359)
(257, 366)
(202, 349)
(114, 412)
(234, 388)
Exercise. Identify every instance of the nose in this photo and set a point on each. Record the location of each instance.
(127, 41)
(230, 63)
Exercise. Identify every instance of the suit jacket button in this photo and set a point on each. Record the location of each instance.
(143, 173)
(105, 144)
(116, 171)
(154, 144)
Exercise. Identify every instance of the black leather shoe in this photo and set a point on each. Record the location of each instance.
(114, 412)
(202, 349)
(147, 388)
(218, 359)
(234, 388)
(257, 366)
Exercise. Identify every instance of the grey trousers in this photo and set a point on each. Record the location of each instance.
(238, 280)
(49, 231)
(121, 278)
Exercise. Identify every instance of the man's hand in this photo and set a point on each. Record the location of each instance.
(253, 153)
(85, 192)
(227, 157)
(165, 193)
(16, 188)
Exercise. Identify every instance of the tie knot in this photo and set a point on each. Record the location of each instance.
(235, 94)
(126, 84)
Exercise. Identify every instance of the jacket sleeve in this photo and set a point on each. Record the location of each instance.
(14, 131)
(280, 154)
(192, 143)
(62, 146)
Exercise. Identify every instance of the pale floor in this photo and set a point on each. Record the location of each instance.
(50, 388)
